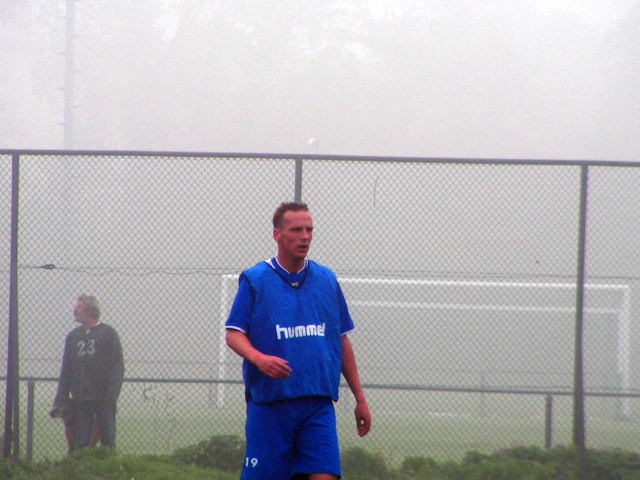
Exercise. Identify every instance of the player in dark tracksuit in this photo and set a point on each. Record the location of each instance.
(92, 371)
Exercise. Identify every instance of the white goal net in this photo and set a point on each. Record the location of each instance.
(476, 334)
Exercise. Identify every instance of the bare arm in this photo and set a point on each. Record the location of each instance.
(350, 373)
(274, 367)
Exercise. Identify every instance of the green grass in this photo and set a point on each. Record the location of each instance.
(216, 458)
(103, 463)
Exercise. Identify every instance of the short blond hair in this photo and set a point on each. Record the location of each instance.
(287, 207)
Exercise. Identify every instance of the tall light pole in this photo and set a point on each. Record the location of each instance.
(68, 75)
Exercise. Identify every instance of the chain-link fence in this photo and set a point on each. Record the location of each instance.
(462, 278)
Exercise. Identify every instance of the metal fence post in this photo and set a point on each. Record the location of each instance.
(12, 347)
(31, 391)
(16, 422)
(548, 421)
(578, 396)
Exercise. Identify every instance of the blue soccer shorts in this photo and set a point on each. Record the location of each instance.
(289, 437)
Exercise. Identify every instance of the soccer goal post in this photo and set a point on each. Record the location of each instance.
(379, 303)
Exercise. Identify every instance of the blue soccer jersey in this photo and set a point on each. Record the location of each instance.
(299, 317)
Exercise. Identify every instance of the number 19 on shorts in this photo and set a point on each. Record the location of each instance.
(250, 462)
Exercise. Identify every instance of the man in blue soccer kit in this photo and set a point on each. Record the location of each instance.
(289, 322)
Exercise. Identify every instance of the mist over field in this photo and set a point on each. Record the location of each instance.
(460, 276)
(491, 79)
(497, 78)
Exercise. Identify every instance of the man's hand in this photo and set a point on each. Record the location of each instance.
(363, 418)
(57, 411)
(274, 367)
(64, 409)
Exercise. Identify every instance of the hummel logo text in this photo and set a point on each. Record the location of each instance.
(300, 331)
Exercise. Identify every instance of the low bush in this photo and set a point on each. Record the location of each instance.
(105, 464)
(222, 452)
(519, 463)
(358, 464)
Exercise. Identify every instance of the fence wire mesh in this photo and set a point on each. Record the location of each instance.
(460, 278)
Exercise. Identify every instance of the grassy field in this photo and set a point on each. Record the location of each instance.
(217, 458)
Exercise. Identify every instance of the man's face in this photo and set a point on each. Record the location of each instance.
(79, 313)
(294, 234)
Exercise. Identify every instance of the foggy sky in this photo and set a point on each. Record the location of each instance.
(499, 79)
(452, 79)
